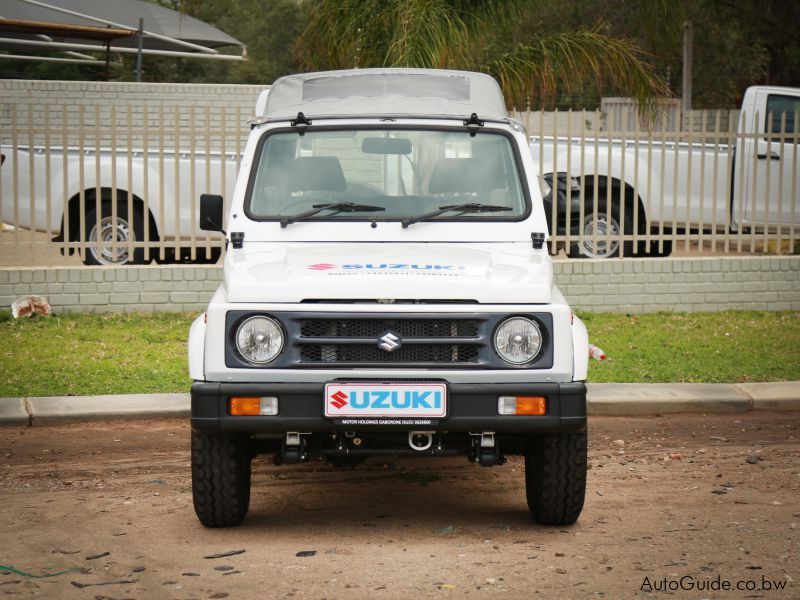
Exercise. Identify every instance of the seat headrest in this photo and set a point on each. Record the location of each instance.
(316, 174)
(456, 175)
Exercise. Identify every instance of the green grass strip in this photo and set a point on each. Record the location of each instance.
(721, 347)
(94, 354)
(146, 353)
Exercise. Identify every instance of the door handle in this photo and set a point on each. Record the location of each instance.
(770, 156)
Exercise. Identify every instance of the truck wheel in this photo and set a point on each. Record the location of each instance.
(220, 478)
(601, 225)
(555, 477)
(103, 230)
(666, 248)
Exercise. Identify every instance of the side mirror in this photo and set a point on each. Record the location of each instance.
(211, 212)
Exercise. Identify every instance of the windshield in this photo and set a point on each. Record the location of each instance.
(390, 174)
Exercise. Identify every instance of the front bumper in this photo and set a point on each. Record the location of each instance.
(471, 408)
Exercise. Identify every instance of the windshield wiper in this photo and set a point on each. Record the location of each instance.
(336, 207)
(460, 208)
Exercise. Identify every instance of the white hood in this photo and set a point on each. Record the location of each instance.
(511, 273)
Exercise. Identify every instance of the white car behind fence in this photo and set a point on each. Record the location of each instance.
(122, 195)
(646, 191)
(114, 187)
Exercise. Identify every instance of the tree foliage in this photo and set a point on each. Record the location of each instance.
(268, 29)
(544, 52)
(736, 42)
(476, 35)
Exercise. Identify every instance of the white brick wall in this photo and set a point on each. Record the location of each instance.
(101, 290)
(75, 102)
(630, 285)
(639, 285)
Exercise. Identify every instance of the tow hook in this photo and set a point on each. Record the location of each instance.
(485, 450)
(293, 449)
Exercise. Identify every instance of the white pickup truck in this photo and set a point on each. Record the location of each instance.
(606, 189)
(114, 201)
(386, 290)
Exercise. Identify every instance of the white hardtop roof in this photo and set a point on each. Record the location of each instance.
(386, 92)
(779, 89)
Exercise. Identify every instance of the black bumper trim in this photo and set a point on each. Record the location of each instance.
(471, 408)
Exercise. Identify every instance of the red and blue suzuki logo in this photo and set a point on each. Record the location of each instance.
(385, 399)
(339, 400)
(367, 399)
(386, 267)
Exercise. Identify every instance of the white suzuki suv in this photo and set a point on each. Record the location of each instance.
(387, 290)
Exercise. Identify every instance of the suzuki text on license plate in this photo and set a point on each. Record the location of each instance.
(385, 400)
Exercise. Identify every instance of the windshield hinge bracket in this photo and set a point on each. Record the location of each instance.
(301, 122)
(538, 240)
(237, 239)
(472, 124)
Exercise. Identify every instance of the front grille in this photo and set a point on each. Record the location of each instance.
(406, 328)
(363, 354)
(352, 340)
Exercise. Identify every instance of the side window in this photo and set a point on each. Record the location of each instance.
(777, 107)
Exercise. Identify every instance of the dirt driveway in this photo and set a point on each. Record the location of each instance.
(712, 500)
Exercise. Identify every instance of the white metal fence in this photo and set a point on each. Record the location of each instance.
(110, 185)
(724, 183)
(113, 185)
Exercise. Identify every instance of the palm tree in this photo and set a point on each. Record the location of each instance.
(473, 35)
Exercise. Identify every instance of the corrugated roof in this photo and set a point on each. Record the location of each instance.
(157, 19)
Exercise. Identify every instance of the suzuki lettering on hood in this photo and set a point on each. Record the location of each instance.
(513, 273)
(389, 268)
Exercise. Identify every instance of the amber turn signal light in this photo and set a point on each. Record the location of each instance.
(522, 405)
(252, 406)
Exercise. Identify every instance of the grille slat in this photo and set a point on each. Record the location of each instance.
(406, 328)
(406, 340)
(372, 354)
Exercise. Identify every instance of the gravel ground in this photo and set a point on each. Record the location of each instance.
(710, 499)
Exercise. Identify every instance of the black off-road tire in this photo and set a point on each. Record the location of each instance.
(555, 477)
(220, 478)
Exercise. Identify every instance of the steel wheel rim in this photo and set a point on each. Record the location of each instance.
(601, 226)
(105, 233)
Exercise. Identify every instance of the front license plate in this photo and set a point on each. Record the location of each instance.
(385, 400)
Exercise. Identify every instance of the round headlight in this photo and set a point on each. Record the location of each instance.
(259, 339)
(518, 340)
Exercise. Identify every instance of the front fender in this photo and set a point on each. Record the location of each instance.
(580, 350)
(197, 346)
